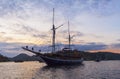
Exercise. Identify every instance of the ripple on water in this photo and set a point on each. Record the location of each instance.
(36, 70)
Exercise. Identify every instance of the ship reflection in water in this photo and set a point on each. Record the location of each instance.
(36, 70)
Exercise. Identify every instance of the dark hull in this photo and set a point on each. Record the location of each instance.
(57, 62)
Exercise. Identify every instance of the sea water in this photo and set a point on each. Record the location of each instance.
(36, 70)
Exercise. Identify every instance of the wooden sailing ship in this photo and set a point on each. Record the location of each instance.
(66, 56)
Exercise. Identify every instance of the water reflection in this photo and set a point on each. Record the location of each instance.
(25, 70)
(36, 70)
(59, 72)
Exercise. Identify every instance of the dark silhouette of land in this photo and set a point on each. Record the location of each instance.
(19, 58)
(24, 57)
(101, 56)
(3, 58)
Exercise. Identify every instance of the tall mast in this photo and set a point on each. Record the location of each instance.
(69, 37)
(54, 33)
(53, 38)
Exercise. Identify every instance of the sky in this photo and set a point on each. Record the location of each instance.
(94, 24)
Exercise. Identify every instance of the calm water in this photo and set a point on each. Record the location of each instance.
(36, 70)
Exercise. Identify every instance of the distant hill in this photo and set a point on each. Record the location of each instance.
(86, 55)
(25, 57)
(109, 55)
(100, 55)
(3, 58)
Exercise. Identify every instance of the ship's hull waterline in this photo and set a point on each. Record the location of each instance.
(58, 62)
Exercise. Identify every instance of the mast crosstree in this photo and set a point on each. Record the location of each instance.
(54, 33)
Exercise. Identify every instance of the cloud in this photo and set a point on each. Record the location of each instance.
(98, 47)
(26, 6)
(12, 49)
(75, 33)
(94, 35)
(22, 20)
(24, 29)
(90, 46)
(115, 46)
(96, 7)
(2, 33)
(118, 40)
(5, 38)
(29, 21)
(34, 33)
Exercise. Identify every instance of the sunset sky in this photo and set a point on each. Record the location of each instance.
(95, 24)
